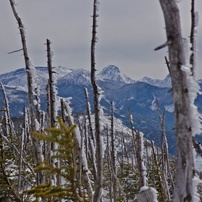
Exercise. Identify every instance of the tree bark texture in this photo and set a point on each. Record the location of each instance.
(113, 156)
(165, 156)
(27, 64)
(30, 82)
(184, 163)
(51, 84)
(91, 137)
(145, 196)
(99, 158)
(193, 38)
(139, 151)
(8, 121)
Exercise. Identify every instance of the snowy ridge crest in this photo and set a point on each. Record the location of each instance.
(165, 83)
(76, 77)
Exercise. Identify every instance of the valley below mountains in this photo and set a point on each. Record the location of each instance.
(137, 97)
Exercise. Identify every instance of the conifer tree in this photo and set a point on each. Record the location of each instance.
(67, 153)
(8, 182)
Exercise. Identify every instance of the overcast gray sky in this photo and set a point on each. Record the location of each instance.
(128, 32)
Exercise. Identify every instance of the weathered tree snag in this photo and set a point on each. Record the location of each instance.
(52, 107)
(91, 137)
(134, 138)
(99, 158)
(192, 37)
(27, 64)
(166, 174)
(30, 82)
(113, 157)
(51, 84)
(89, 117)
(108, 155)
(184, 163)
(8, 121)
(138, 143)
(140, 161)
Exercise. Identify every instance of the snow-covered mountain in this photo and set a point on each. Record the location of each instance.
(165, 83)
(19, 77)
(127, 94)
(113, 73)
(76, 77)
(153, 82)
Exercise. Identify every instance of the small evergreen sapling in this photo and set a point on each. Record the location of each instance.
(67, 153)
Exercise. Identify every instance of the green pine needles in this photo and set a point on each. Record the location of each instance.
(60, 173)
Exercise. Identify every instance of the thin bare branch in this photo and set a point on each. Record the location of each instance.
(15, 51)
(163, 45)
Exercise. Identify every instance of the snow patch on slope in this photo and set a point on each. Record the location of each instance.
(76, 77)
(169, 108)
(165, 83)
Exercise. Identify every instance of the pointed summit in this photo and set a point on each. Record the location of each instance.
(113, 73)
(110, 72)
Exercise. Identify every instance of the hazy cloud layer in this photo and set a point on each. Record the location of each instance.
(128, 32)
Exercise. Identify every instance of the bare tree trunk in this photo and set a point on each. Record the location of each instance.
(99, 157)
(88, 114)
(165, 158)
(92, 144)
(140, 161)
(108, 148)
(26, 127)
(27, 64)
(8, 122)
(184, 164)
(20, 160)
(68, 119)
(124, 149)
(81, 152)
(37, 108)
(52, 105)
(51, 84)
(113, 158)
(133, 137)
(193, 37)
(29, 70)
(138, 144)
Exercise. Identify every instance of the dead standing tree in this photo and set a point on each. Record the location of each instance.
(27, 64)
(194, 16)
(51, 86)
(182, 104)
(113, 155)
(166, 173)
(31, 87)
(8, 121)
(99, 152)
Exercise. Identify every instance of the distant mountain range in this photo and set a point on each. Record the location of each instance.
(138, 97)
